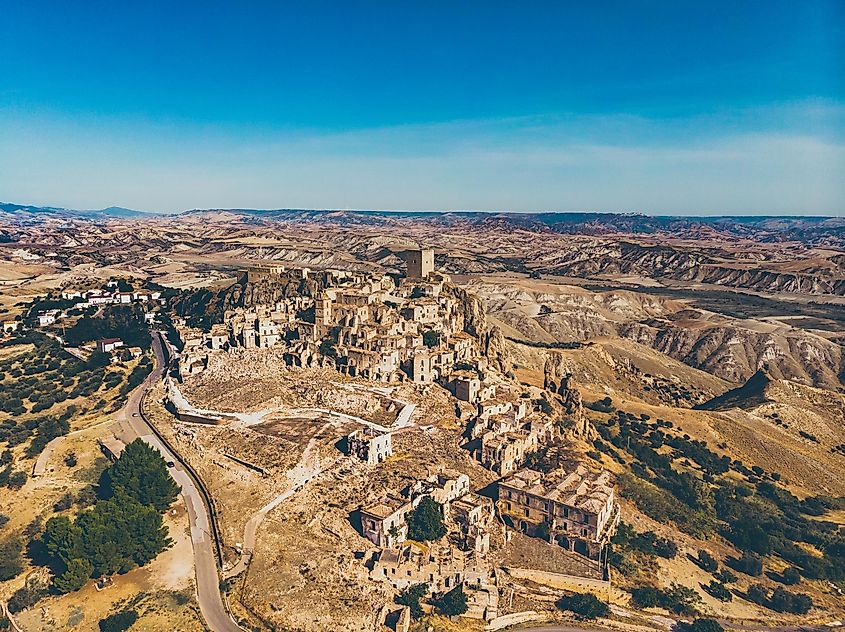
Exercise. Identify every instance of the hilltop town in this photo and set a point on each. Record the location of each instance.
(406, 335)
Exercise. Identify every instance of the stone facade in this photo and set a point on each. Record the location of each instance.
(576, 508)
(369, 445)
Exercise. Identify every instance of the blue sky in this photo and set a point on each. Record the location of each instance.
(660, 107)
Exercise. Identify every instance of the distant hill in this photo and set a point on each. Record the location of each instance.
(111, 211)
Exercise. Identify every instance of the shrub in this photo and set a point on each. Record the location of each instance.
(646, 596)
(26, 597)
(431, 338)
(17, 480)
(11, 560)
(718, 591)
(790, 576)
(602, 406)
(707, 561)
(784, 601)
(749, 563)
(702, 625)
(679, 599)
(584, 605)
(665, 548)
(453, 603)
(118, 622)
(63, 503)
(725, 576)
(411, 597)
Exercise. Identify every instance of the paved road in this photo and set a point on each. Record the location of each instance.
(208, 582)
(561, 628)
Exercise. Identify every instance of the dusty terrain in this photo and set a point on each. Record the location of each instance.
(660, 317)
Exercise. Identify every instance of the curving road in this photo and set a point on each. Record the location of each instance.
(208, 582)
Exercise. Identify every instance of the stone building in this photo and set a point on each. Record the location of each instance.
(369, 445)
(504, 452)
(576, 508)
(384, 523)
(420, 262)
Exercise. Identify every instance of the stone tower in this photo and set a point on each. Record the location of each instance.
(420, 262)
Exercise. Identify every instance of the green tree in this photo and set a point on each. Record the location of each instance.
(11, 559)
(431, 338)
(411, 597)
(584, 605)
(453, 603)
(141, 472)
(78, 572)
(120, 534)
(703, 625)
(118, 622)
(426, 521)
(62, 539)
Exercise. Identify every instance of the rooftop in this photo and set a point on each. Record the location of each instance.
(580, 487)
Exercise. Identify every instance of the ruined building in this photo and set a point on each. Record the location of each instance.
(576, 509)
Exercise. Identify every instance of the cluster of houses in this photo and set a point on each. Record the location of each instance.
(372, 326)
(108, 295)
(574, 508)
(458, 559)
(413, 329)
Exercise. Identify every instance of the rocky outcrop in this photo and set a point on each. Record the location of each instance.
(494, 349)
(735, 353)
(558, 379)
(471, 310)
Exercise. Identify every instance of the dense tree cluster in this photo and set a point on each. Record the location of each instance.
(117, 321)
(120, 532)
(675, 478)
(37, 380)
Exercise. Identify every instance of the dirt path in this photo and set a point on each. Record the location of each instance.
(43, 459)
(306, 469)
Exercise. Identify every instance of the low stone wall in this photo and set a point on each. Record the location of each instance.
(514, 618)
(598, 587)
